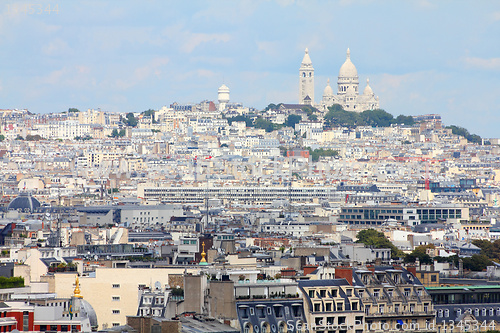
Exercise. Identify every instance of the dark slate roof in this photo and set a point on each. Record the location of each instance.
(24, 202)
(323, 283)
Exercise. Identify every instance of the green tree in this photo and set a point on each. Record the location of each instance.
(420, 253)
(478, 262)
(273, 106)
(18, 137)
(130, 120)
(473, 138)
(70, 110)
(317, 153)
(11, 282)
(150, 113)
(489, 249)
(264, 124)
(2, 137)
(33, 137)
(377, 239)
(117, 134)
(248, 121)
(406, 120)
(293, 119)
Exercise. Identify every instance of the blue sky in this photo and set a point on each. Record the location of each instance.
(128, 56)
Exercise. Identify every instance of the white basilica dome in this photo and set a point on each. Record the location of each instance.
(328, 90)
(368, 90)
(348, 69)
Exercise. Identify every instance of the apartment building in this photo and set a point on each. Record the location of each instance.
(393, 299)
(332, 305)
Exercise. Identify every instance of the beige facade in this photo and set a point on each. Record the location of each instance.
(113, 292)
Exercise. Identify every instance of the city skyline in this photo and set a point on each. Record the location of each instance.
(421, 57)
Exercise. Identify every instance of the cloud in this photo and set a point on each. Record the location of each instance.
(56, 47)
(269, 48)
(193, 40)
(481, 63)
(425, 4)
(495, 16)
(140, 74)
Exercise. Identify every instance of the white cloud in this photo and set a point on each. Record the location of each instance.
(269, 48)
(193, 40)
(481, 63)
(56, 47)
(140, 74)
(425, 4)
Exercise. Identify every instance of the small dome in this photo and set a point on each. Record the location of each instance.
(328, 90)
(24, 202)
(368, 90)
(348, 69)
(88, 311)
(223, 88)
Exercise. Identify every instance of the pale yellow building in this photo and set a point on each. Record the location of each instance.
(113, 292)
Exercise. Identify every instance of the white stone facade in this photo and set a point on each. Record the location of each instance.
(306, 89)
(348, 88)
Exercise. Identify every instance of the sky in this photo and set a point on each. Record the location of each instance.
(421, 56)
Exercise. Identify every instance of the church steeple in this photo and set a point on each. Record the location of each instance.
(306, 83)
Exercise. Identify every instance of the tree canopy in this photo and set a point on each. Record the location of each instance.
(292, 120)
(377, 239)
(420, 253)
(317, 153)
(337, 116)
(130, 120)
(117, 134)
(248, 121)
(264, 124)
(472, 138)
(489, 249)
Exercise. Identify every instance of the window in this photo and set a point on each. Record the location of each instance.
(341, 321)
(433, 278)
(244, 312)
(317, 307)
(340, 307)
(355, 306)
(116, 311)
(381, 309)
(396, 308)
(116, 324)
(115, 298)
(322, 293)
(367, 310)
(446, 313)
(116, 286)
(311, 293)
(328, 307)
(252, 311)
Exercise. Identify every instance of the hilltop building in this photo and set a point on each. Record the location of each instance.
(348, 88)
